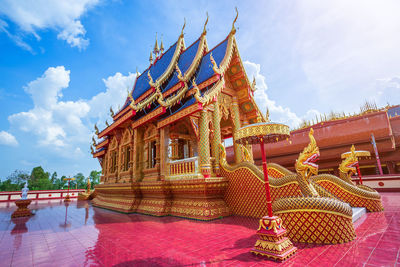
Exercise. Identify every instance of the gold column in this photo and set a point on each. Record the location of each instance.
(135, 158)
(163, 153)
(119, 158)
(216, 117)
(236, 125)
(204, 145)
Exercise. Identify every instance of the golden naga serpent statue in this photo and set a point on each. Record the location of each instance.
(347, 167)
(307, 217)
(314, 208)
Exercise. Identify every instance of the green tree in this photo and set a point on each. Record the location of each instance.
(39, 179)
(94, 178)
(7, 185)
(54, 179)
(60, 183)
(80, 181)
(19, 177)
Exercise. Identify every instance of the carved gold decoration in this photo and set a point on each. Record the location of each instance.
(151, 82)
(210, 94)
(214, 64)
(205, 24)
(271, 132)
(305, 164)
(347, 167)
(233, 30)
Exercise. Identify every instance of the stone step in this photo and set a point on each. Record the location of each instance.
(358, 213)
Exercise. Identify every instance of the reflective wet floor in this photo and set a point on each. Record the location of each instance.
(82, 235)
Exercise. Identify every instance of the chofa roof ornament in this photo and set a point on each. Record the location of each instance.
(205, 24)
(183, 27)
(233, 31)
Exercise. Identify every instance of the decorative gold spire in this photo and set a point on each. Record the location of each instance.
(183, 27)
(111, 112)
(156, 50)
(93, 141)
(107, 123)
(267, 115)
(161, 46)
(151, 58)
(91, 150)
(137, 72)
(96, 129)
(253, 84)
(233, 31)
(205, 24)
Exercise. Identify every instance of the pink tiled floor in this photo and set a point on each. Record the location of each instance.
(90, 236)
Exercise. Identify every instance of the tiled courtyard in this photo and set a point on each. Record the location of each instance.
(81, 235)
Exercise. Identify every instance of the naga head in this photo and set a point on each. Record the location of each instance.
(306, 163)
(349, 164)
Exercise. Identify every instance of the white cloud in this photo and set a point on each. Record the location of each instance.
(388, 91)
(7, 139)
(52, 120)
(62, 16)
(67, 125)
(16, 38)
(345, 46)
(277, 112)
(115, 96)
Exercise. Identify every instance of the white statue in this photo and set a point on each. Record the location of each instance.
(25, 191)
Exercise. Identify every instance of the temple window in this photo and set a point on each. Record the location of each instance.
(113, 167)
(151, 137)
(126, 149)
(127, 158)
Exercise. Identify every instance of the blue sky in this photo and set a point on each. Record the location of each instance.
(64, 63)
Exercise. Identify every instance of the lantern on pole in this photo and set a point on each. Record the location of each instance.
(272, 242)
(67, 197)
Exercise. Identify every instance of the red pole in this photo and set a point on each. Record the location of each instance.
(68, 188)
(359, 173)
(267, 190)
(378, 161)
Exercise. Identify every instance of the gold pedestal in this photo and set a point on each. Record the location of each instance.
(67, 198)
(23, 210)
(272, 242)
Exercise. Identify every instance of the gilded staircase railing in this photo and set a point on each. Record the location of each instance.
(183, 168)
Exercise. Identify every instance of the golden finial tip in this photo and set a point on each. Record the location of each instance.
(183, 27)
(233, 31)
(205, 24)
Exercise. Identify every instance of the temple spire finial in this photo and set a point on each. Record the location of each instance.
(267, 115)
(183, 27)
(156, 49)
(161, 46)
(233, 31)
(151, 58)
(205, 24)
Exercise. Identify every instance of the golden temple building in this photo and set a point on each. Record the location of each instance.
(163, 154)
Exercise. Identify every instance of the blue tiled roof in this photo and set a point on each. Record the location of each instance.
(156, 70)
(205, 70)
(101, 149)
(394, 111)
(184, 62)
